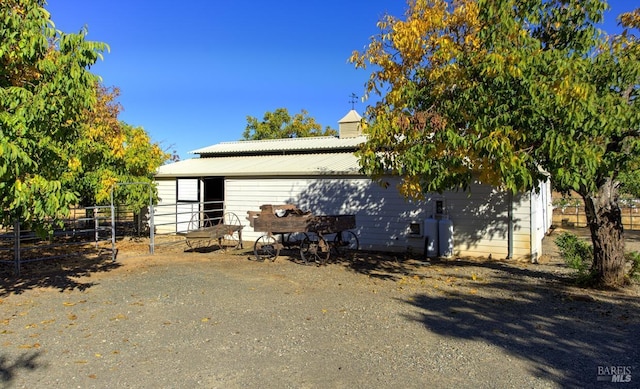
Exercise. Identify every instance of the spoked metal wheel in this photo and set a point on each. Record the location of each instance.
(266, 247)
(314, 249)
(232, 236)
(198, 221)
(345, 242)
(294, 239)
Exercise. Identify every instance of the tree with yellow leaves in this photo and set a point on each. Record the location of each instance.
(110, 152)
(506, 92)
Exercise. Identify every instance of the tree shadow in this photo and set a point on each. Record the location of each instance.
(394, 266)
(57, 273)
(632, 236)
(9, 369)
(564, 333)
(382, 265)
(483, 216)
(383, 216)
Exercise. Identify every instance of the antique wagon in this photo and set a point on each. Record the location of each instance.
(287, 226)
(202, 231)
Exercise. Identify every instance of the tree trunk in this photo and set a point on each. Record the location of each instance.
(605, 223)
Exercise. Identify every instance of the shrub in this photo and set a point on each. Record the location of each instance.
(634, 260)
(577, 254)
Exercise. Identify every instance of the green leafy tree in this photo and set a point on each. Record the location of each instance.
(504, 92)
(279, 124)
(631, 183)
(45, 86)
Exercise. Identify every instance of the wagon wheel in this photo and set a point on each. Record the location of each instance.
(266, 247)
(314, 250)
(198, 221)
(345, 242)
(294, 239)
(233, 235)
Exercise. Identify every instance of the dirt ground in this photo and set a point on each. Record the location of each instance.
(223, 320)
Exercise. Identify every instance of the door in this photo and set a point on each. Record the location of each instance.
(214, 197)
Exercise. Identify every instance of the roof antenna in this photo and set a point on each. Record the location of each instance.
(353, 100)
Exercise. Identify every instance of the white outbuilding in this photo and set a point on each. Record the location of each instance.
(322, 175)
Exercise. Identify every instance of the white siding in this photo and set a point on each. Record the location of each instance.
(480, 219)
(165, 216)
(541, 213)
(522, 227)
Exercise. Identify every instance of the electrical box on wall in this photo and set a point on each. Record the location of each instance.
(439, 208)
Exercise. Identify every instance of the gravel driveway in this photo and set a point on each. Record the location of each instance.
(215, 320)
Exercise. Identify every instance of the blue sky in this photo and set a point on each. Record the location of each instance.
(190, 72)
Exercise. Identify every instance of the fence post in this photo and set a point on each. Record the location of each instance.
(151, 225)
(96, 225)
(113, 229)
(152, 235)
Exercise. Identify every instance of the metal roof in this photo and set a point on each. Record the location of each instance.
(285, 145)
(264, 165)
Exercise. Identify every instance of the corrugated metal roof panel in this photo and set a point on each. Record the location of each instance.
(266, 165)
(288, 144)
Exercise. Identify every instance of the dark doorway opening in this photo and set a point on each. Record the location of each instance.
(214, 197)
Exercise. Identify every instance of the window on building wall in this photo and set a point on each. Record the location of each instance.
(188, 189)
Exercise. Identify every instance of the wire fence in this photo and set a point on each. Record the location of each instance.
(96, 230)
(86, 232)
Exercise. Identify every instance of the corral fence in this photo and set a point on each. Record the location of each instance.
(569, 212)
(86, 232)
(95, 231)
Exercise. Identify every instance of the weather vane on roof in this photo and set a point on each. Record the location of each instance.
(353, 100)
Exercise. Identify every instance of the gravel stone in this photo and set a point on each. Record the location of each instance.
(218, 320)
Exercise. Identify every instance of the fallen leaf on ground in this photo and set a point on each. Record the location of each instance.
(119, 316)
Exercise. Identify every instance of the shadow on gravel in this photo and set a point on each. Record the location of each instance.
(54, 273)
(534, 313)
(9, 369)
(564, 332)
(385, 266)
(393, 267)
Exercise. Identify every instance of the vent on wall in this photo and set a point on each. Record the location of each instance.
(415, 229)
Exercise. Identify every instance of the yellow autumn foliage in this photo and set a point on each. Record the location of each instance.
(430, 30)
